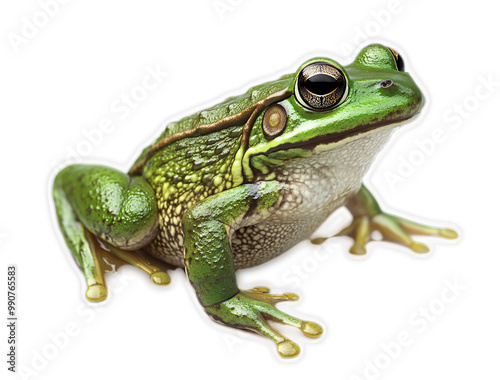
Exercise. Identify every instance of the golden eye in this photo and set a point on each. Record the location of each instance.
(274, 121)
(400, 63)
(320, 86)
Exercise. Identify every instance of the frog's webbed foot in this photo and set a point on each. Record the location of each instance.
(368, 217)
(392, 228)
(252, 309)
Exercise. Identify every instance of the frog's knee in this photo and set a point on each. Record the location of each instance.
(137, 224)
(137, 221)
(112, 205)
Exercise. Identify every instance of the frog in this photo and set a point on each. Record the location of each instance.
(238, 184)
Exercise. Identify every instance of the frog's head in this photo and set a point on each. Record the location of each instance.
(330, 105)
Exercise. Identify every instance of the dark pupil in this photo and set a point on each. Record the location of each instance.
(321, 84)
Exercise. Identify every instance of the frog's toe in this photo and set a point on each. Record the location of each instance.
(361, 235)
(96, 293)
(422, 229)
(262, 294)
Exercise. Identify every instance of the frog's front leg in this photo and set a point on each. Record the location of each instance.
(96, 201)
(208, 227)
(368, 217)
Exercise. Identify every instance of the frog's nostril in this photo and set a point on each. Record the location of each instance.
(386, 83)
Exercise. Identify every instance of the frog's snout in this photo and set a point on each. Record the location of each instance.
(404, 92)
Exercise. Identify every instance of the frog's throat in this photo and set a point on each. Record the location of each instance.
(316, 145)
(246, 117)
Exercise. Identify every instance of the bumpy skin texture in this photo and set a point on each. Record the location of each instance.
(216, 192)
(189, 170)
(129, 218)
(210, 267)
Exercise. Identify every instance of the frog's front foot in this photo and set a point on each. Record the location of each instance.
(252, 309)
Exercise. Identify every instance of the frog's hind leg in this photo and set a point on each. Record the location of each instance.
(84, 250)
(96, 201)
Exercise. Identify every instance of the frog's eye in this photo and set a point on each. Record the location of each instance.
(320, 86)
(274, 121)
(400, 63)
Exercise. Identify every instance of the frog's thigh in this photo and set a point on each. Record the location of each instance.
(208, 227)
(96, 200)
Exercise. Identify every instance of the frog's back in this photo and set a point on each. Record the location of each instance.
(232, 106)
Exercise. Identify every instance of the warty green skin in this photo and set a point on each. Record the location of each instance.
(213, 194)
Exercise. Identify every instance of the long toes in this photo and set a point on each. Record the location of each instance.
(248, 311)
(421, 229)
(392, 230)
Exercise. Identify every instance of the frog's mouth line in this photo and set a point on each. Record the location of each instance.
(350, 135)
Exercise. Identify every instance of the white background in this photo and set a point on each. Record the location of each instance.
(59, 83)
